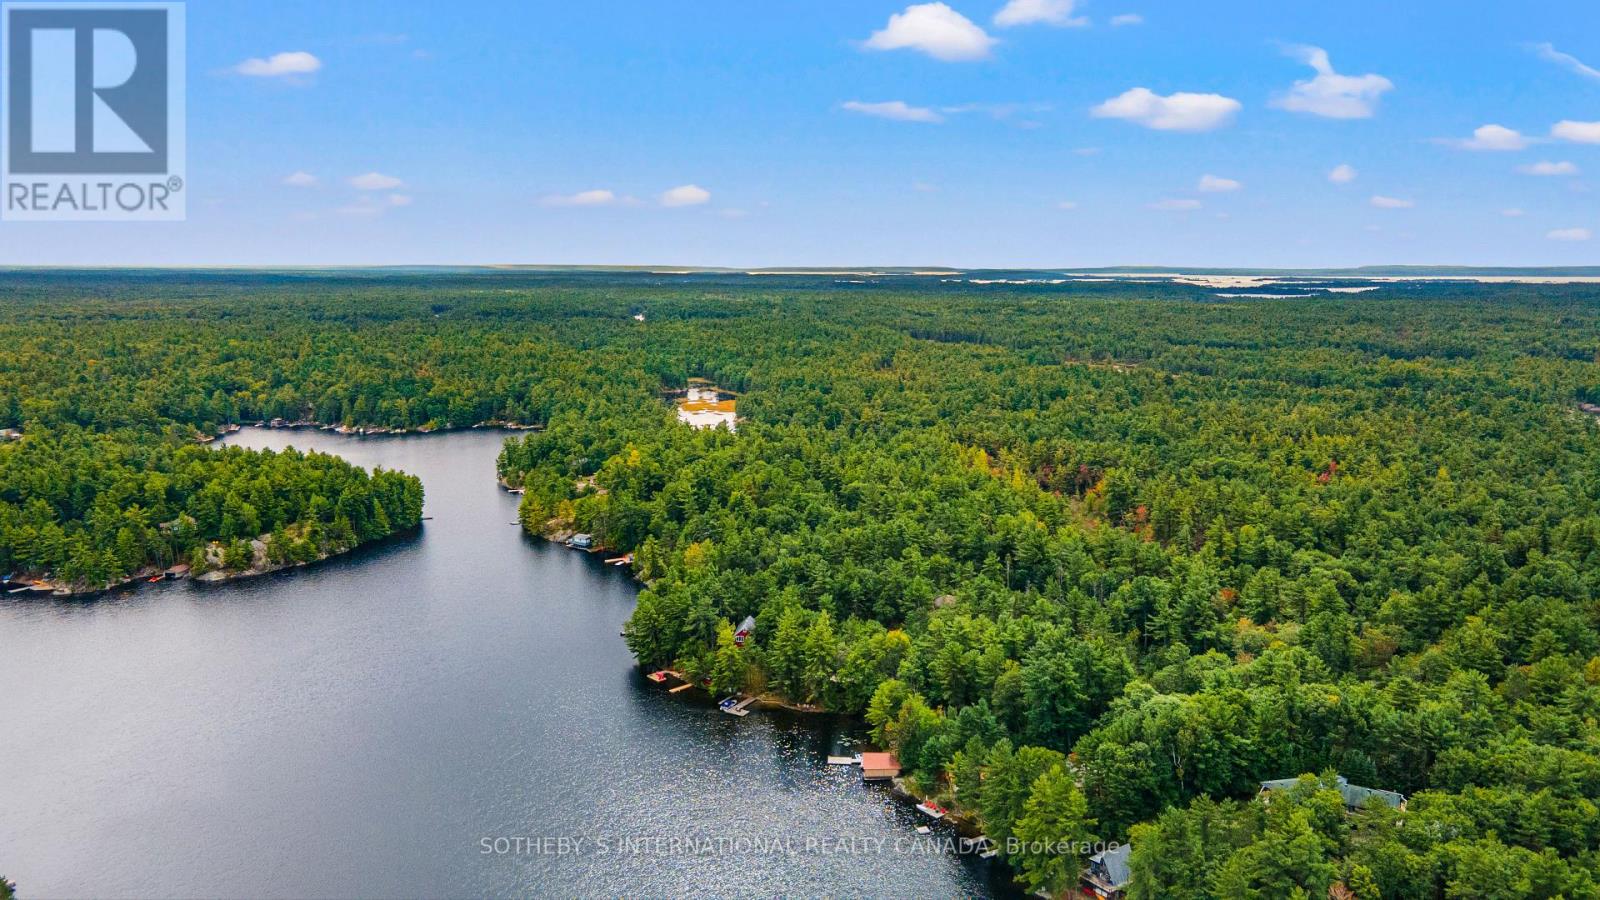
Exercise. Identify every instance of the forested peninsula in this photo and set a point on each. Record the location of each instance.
(1094, 561)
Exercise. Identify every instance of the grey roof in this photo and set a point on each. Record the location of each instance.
(1354, 795)
(1114, 861)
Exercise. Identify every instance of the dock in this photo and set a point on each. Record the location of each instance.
(842, 760)
(680, 688)
(740, 708)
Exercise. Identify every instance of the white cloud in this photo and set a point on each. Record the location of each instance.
(300, 180)
(1215, 184)
(1174, 112)
(686, 195)
(1577, 132)
(1567, 61)
(1569, 234)
(1067, 204)
(375, 181)
(1383, 202)
(400, 199)
(1546, 167)
(1512, 213)
(1493, 137)
(1330, 94)
(278, 65)
(898, 110)
(1029, 12)
(1343, 173)
(598, 197)
(1127, 19)
(1175, 205)
(934, 29)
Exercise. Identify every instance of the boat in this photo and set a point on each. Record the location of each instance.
(657, 677)
(931, 810)
(923, 829)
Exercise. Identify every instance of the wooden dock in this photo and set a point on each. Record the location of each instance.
(740, 709)
(682, 687)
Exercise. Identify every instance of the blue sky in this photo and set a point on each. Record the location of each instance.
(815, 132)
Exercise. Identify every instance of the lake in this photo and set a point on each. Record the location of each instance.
(370, 725)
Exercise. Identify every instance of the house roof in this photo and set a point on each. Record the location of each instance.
(879, 761)
(1354, 795)
(1114, 863)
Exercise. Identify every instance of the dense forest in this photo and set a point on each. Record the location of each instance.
(1094, 560)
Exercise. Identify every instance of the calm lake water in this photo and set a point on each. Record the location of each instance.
(359, 728)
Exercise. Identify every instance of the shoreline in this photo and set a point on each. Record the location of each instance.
(55, 590)
(359, 430)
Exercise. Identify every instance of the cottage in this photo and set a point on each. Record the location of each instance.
(746, 628)
(581, 542)
(1107, 873)
(181, 570)
(879, 766)
(1355, 796)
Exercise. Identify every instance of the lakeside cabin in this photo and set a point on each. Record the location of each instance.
(581, 542)
(746, 628)
(1107, 875)
(879, 766)
(1354, 795)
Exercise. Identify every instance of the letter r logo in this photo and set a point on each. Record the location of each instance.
(87, 89)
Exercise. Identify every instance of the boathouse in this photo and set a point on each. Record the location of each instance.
(581, 542)
(879, 766)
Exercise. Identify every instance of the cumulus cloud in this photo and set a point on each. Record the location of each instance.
(1569, 234)
(1330, 94)
(1549, 53)
(1343, 173)
(1215, 184)
(1175, 205)
(686, 195)
(1577, 132)
(375, 181)
(597, 197)
(1383, 202)
(1546, 167)
(934, 29)
(1127, 19)
(279, 65)
(898, 110)
(301, 180)
(1174, 112)
(1492, 137)
(1030, 12)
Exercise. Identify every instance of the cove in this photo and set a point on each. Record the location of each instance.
(384, 723)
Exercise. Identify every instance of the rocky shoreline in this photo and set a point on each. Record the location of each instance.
(215, 573)
(362, 430)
